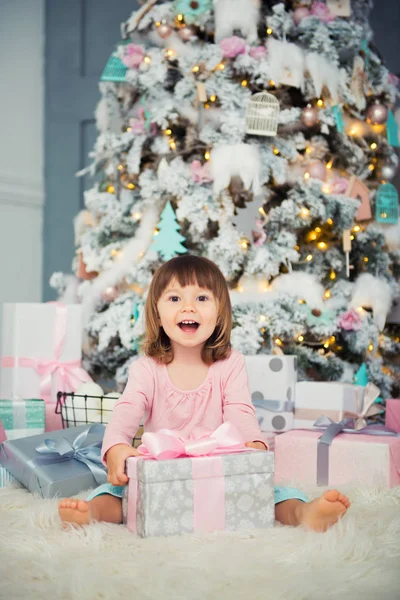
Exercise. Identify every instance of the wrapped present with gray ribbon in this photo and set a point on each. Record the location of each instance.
(272, 381)
(336, 453)
(335, 400)
(61, 463)
(22, 418)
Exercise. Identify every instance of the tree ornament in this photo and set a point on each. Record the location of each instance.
(286, 62)
(230, 160)
(357, 83)
(167, 240)
(358, 190)
(387, 171)
(81, 271)
(164, 30)
(110, 293)
(309, 116)
(317, 170)
(186, 33)
(387, 204)
(377, 114)
(262, 114)
(374, 293)
(340, 8)
(236, 15)
(300, 13)
(114, 70)
(192, 9)
(392, 130)
(338, 116)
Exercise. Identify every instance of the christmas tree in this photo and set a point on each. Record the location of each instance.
(269, 130)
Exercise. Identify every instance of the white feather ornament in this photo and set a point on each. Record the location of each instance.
(286, 62)
(302, 285)
(373, 292)
(242, 160)
(231, 15)
(323, 73)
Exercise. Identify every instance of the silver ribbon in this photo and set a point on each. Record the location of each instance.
(331, 431)
(275, 406)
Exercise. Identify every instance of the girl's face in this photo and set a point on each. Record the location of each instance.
(187, 314)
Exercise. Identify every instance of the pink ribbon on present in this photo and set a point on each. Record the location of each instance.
(204, 445)
(69, 373)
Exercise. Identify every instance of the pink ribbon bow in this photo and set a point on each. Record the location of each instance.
(69, 373)
(166, 444)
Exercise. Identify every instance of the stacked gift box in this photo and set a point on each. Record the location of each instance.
(324, 431)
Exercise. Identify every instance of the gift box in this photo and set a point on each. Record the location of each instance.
(392, 416)
(41, 353)
(356, 458)
(61, 463)
(3, 436)
(209, 483)
(22, 418)
(272, 381)
(6, 478)
(335, 400)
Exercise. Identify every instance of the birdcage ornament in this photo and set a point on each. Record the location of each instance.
(387, 204)
(114, 70)
(262, 114)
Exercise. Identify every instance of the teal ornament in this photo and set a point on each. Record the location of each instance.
(338, 116)
(167, 242)
(387, 204)
(361, 378)
(146, 114)
(192, 10)
(324, 318)
(135, 316)
(392, 130)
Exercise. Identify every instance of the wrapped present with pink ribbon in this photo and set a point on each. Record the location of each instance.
(335, 400)
(41, 348)
(207, 483)
(392, 414)
(336, 453)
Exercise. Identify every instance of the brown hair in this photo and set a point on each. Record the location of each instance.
(188, 270)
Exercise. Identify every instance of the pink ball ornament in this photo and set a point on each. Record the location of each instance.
(186, 33)
(300, 13)
(317, 170)
(110, 293)
(164, 30)
(377, 114)
(309, 116)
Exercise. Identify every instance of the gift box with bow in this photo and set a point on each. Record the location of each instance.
(22, 418)
(61, 463)
(272, 381)
(212, 482)
(338, 454)
(392, 415)
(41, 348)
(335, 400)
(6, 478)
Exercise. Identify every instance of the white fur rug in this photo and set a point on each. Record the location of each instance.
(357, 559)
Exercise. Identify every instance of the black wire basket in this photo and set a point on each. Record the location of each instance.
(78, 409)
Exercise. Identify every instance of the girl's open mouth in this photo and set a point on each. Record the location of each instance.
(188, 326)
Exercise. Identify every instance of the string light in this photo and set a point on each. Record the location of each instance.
(131, 186)
(244, 243)
(207, 155)
(276, 151)
(110, 189)
(137, 216)
(262, 211)
(309, 258)
(318, 229)
(356, 228)
(120, 167)
(300, 338)
(371, 167)
(304, 212)
(278, 342)
(170, 53)
(244, 83)
(370, 346)
(114, 252)
(147, 59)
(158, 23)
(221, 66)
(352, 237)
(306, 175)
(326, 188)
(322, 245)
(195, 69)
(329, 221)
(180, 17)
(374, 146)
(329, 164)
(272, 82)
(156, 231)
(301, 301)
(263, 318)
(269, 31)
(128, 129)
(360, 310)
(327, 294)
(312, 236)
(213, 98)
(172, 145)
(168, 132)
(332, 275)
(206, 105)
(365, 259)
(309, 149)
(320, 102)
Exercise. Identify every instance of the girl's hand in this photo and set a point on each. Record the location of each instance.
(257, 445)
(116, 457)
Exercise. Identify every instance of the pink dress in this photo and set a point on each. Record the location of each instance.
(151, 397)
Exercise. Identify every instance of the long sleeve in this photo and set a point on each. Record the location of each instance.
(237, 405)
(130, 408)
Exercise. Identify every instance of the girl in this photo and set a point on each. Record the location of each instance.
(189, 378)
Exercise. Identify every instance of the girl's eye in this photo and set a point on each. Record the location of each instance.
(173, 298)
(205, 297)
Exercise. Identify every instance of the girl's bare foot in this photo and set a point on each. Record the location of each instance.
(325, 511)
(74, 511)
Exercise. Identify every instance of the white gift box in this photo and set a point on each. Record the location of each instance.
(31, 334)
(336, 400)
(272, 381)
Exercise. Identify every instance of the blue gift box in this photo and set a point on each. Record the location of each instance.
(61, 463)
